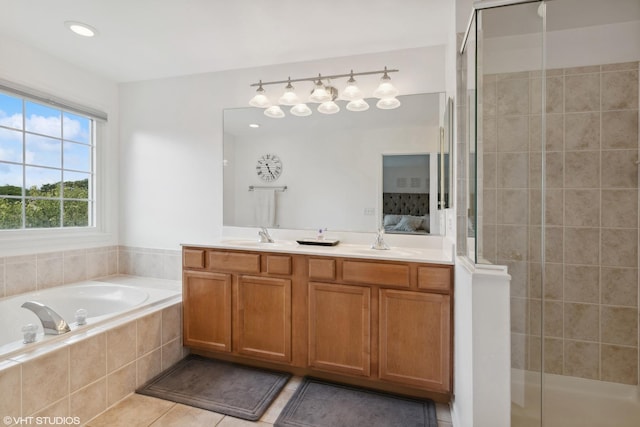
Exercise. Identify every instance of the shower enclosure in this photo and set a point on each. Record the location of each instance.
(548, 142)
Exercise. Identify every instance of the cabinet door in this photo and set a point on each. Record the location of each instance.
(339, 328)
(415, 344)
(264, 318)
(207, 310)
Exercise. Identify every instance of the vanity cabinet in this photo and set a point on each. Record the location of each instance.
(376, 323)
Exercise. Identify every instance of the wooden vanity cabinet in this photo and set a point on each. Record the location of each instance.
(376, 323)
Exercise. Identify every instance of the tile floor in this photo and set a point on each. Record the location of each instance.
(144, 411)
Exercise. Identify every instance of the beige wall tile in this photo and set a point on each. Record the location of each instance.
(518, 312)
(75, 266)
(512, 243)
(513, 133)
(553, 319)
(518, 351)
(2, 290)
(121, 346)
(619, 286)
(490, 170)
(171, 323)
(581, 245)
(489, 248)
(581, 359)
(554, 170)
(620, 66)
(554, 202)
(535, 316)
(619, 208)
(513, 96)
(620, 90)
(513, 206)
(49, 270)
(89, 401)
(89, 361)
(619, 169)
(489, 206)
(554, 135)
(619, 364)
(10, 383)
(620, 129)
(582, 70)
(149, 333)
(490, 134)
(519, 278)
(553, 281)
(112, 263)
(582, 131)
(582, 208)
(619, 325)
(581, 321)
(148, 366)
(619, 247)
(534, 354)
(125, 262)
(581, 283)
(20, 275)
(553, 356)
(97, 264)
(172, 264)
(511, 167)
(489, 96)
(45, 380)
(582, 93)
(121, 383)
(172, 353)
(582, 169)
(554, 94)
(56, 409)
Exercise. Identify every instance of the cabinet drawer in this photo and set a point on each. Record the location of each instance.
(278, 264)
(434, 278)
(245, 263)
(193, 258)
(322, 269)
(376, 273)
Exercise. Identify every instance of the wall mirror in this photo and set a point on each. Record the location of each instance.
(326, 171)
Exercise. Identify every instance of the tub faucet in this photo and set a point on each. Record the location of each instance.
(52, 322)
(264, 236)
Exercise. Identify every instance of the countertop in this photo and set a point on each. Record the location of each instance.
(413, 254)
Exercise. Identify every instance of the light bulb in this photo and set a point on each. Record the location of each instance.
(351, 92)
(388, 103)
(329, 107)
(386, 89)
(260, 100)
(358, 105)
(319, 93)
(289, 97)
(300, 110)
(274, 112)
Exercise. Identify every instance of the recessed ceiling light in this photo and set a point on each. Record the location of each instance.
(81, 29)
(254, 125)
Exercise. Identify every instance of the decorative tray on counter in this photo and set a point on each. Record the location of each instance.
(316, 242)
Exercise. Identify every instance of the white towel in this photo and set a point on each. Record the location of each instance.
(264, 207)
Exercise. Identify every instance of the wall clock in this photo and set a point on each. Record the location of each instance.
(269, 167)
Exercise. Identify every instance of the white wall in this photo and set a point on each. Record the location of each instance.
(34, 69)
(171, 139)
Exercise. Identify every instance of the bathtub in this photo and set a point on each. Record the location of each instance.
(104, 301)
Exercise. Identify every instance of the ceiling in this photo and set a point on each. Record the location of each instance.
(150, 39)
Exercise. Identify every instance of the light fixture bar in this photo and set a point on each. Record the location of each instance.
(320, 77)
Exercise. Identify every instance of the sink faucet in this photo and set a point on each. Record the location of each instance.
(264, 236)
(379, 243)
(52, 322)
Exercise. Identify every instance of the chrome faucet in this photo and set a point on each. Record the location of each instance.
(52, 322)
(379, 243)
(264, 236)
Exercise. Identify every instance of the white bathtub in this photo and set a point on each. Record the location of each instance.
(103, 300)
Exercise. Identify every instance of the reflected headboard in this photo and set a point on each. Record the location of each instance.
(416, 204)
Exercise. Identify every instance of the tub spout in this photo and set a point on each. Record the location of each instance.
(52, 322)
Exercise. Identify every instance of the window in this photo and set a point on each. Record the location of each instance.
(47, 157)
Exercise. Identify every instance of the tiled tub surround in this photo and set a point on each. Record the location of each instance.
(591, 215)
(86, 373)
(26, 273)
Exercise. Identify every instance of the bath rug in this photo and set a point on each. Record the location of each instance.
(318, 403)
(224, 387)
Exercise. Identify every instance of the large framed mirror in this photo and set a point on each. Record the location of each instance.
(324, 171)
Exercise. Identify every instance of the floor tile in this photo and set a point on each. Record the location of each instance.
(443, 412)
(183, 415)
(293, 383)
(277, 406)
(444, 424)
(134, 411)
(236, 422)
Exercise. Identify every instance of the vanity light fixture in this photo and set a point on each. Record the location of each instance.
(81, 29)
(325, 94)
(260, 100)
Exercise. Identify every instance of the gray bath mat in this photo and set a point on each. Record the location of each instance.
(224, 387)
(318, 403)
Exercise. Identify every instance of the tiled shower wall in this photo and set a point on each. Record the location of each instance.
(591, 215)
(28, 273)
